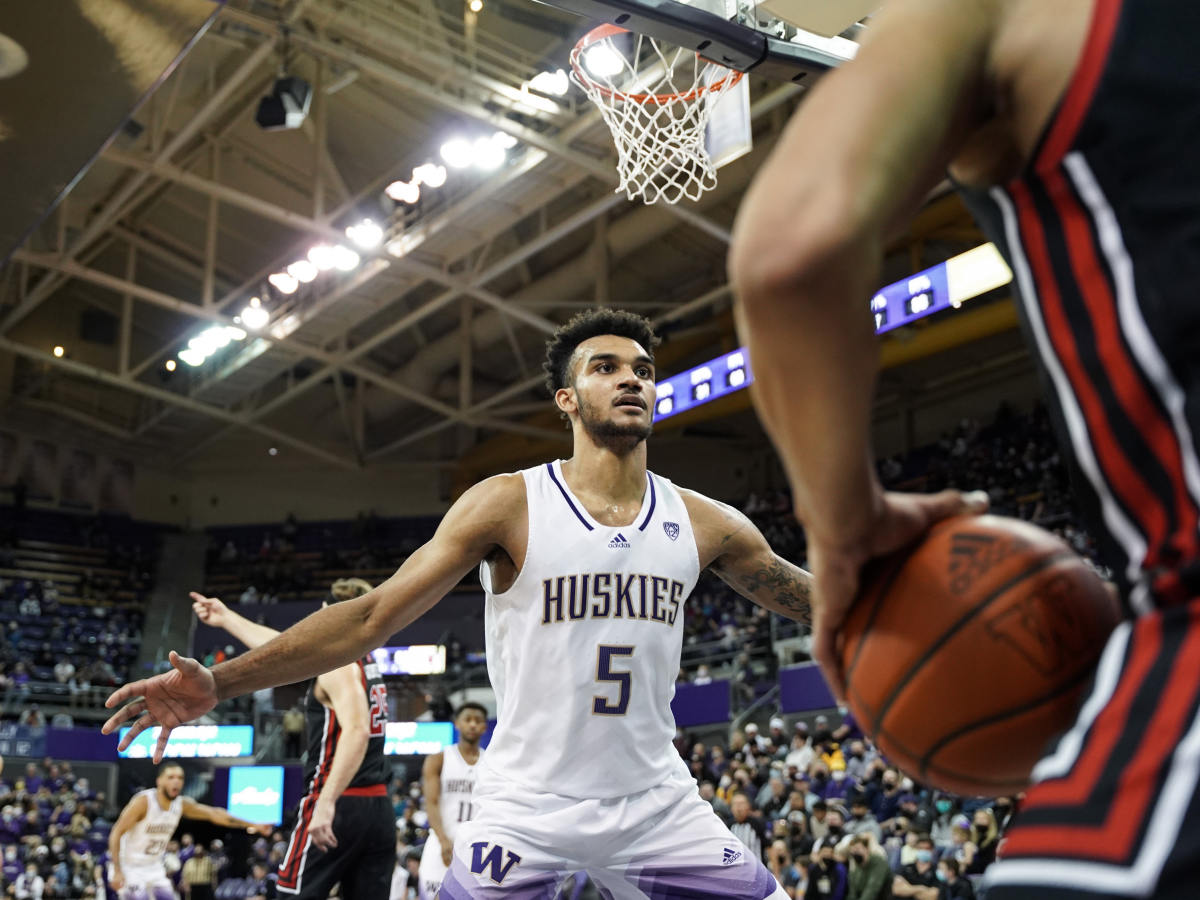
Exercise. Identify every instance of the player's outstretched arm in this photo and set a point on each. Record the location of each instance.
(211, 611)
(486, 516)
(134, 811)
(735, 550)
(223, 817)
(806, 258)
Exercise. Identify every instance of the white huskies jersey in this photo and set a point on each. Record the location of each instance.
(458, 787)
(143, 845)
(583, 649)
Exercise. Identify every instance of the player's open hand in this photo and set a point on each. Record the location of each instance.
(320, 827)
(209, 610)
(898, 520)
(177, 696)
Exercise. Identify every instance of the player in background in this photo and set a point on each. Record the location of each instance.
(344, 831)
(448, 781)
(586, 566)
(1070, 129)
(138, 841)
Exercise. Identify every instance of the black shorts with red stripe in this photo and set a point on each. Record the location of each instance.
(363, 860)
(1114, 811)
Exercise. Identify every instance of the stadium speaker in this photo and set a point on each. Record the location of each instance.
(286, 106)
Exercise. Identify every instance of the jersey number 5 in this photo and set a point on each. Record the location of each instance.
(604, 672)
(378, 709)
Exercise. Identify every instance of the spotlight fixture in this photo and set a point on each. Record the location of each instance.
(283, 282)
(58, 352)
(430, 174)
(403, 191)
(555, 83)
(302, 270)
(345, 259)
(475, 5)
(192, 357)
(254, 316)
(170, 365)
(488, 153)
(321, 256)
(458, 153)
(286, 107)
(366, 234)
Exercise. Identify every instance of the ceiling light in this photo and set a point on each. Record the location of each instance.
(603, 61)
(302, 270)
(254, 316)
(458, 153)
(235, 333)
(273, 451)
(403, 191)
(475, 5)
(321, 256)
(192, 357)
(366, 234)
(170, 365)
(488, 154)
(344, 258)
(59, 351)
(283, 282)
(555, 83)
(504, 139)
(431, 174)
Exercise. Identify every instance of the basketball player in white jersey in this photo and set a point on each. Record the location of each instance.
(448, 780)
(586, 565)
(139, 838)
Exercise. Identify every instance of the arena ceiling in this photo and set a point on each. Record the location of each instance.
(421, 356)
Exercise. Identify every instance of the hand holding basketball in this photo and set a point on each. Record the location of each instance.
(898, 520)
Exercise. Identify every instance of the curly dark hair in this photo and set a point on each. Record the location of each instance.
(588, 324)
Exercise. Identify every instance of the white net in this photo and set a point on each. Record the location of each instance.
(656, 101)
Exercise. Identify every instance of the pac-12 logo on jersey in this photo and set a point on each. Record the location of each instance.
(498, 861)
(672, 529)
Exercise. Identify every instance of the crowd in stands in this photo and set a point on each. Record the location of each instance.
(53, 834)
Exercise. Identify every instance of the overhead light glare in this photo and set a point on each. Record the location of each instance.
(283, 282)
(403, 191)
(602, 61)
(504, 139)
(170, 365)
(489, 155)
(367, 234)
(192, 357)
(302, 270)
(458, 153)
(321, 256)
(255, 317)
(555, 83)
(475, 5)
(345, 259)
(430, 174)
(59, 351)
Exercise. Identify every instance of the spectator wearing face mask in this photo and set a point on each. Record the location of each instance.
(953, 885)
(885, 799)
(29, 884)
(919, 879)
(858, 760)
(818, 820)
(986, 836)
(945, 812)
(870, 878)
(861, 820)
(839, 785)
(708, 793)
(826, 876)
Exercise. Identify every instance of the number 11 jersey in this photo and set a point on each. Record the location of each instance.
(583, 649)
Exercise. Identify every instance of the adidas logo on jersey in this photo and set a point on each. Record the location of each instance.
(619, 542)
(730, 856)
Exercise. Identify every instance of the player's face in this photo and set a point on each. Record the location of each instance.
(170, 782)
(614, 388)
(471, 725)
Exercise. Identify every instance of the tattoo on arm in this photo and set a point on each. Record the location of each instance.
(773, 583)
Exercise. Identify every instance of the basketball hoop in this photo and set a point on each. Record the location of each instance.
(656, 100)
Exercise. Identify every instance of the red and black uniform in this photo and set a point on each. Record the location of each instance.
(363, 823)
(1102, 231)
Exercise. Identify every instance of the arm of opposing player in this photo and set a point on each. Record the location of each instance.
(214, 814)
(212, 611)
(133, 813)
(735, 550)
(484, 517)
(858, 157)
(348, 699)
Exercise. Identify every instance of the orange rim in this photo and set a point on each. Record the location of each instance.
(601, 32)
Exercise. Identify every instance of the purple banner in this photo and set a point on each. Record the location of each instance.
(802, 688)
(80, 745)
(701, 704)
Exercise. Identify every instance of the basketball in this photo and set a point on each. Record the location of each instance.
(966, 654)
